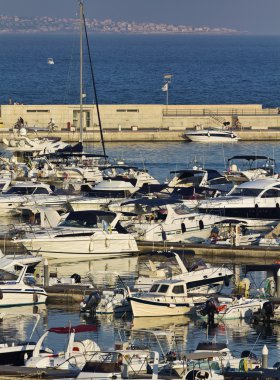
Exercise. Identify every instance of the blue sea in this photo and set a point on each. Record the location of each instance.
(130, 69)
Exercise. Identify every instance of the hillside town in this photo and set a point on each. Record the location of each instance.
(16, 24)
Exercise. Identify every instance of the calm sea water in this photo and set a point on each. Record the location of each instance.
(162, 157)
(130, 69)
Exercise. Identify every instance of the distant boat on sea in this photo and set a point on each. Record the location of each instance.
(50, 61)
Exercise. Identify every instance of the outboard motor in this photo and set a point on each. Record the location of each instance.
(210, 309)
(77, 278)
(265, 314)
(90, 303)
(268, 311)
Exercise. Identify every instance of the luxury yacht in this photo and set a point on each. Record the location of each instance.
(259, 199)
(200, 277)
(172, 224)
(210, 135)
(83, 233)
(20, 193)
(113, 189)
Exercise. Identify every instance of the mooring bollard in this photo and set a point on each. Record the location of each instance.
(46, 273)
(265, 357)
(278, 283)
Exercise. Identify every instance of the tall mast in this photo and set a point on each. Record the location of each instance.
(81, 70)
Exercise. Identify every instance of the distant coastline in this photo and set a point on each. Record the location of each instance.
(22, 25)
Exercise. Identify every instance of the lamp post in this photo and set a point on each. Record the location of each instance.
(165, 88)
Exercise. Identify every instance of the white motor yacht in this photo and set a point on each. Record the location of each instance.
(20, 193)
(259, 199)
(83, 233)
(15, 292)
(102, 194)
(211, 135)
(200, 277)
(21, 143)
(174, 225)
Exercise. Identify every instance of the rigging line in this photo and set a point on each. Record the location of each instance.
(94, 86)
(68, 81)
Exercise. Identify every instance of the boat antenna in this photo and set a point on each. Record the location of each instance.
(93, 81)
(81, 69)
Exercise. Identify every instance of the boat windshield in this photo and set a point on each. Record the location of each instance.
(7, 276)
(87, 220)
(154, 288)
(246, 192)
(20, 190)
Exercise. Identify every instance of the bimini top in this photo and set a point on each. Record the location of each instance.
(260, 184)
(251, 158)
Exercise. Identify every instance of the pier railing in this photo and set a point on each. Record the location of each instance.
(173, 112)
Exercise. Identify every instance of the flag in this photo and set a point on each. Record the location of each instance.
(165, 87)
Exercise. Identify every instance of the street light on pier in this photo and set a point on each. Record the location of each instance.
(165, 88)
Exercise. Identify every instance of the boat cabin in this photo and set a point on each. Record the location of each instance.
(29, 188)
(169, 288)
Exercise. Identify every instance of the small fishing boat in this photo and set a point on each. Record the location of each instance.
(225, 308)
(50, 61)
(166, 297)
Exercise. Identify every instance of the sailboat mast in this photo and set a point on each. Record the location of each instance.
(81, 70)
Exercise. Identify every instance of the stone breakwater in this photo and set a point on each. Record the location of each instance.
(141, 122)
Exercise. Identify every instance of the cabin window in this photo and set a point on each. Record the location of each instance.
(271, 193)
(154, 288)
(201, 225)
(240, 192)
(178, 289)
(163, 289)
(183, 227)
(40, 190)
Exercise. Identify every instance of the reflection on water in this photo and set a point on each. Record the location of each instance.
(182, 334)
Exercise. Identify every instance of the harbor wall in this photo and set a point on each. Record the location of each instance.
(141, 122)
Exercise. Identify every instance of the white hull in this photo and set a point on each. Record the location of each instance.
(210, 139)
(242, 309)
(17, 298)
(140, 309)
(109, 244)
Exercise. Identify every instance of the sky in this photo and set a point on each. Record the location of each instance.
(253, 16)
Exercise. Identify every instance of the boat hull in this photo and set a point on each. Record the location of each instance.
(21, 298)
(209, 137)
(111, 245)
(150, 308)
